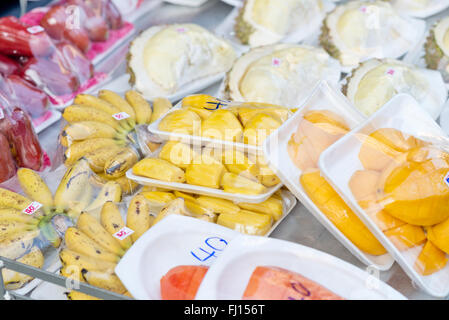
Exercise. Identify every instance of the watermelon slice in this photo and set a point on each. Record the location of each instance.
(273, 283)
(182, 282)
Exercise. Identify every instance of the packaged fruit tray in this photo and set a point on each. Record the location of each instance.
(203, 120)
(43, 122)
(324, 103)
(392, 171)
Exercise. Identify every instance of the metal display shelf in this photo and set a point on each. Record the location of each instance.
(299, 227)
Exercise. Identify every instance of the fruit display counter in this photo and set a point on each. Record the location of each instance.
(344, 172)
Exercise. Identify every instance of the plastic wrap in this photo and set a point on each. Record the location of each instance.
(394, 176)
(420, 9)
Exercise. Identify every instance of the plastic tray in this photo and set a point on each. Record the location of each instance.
(190, 3)
(275, 149)
(340, 161)
(43, 122)
(228, 279)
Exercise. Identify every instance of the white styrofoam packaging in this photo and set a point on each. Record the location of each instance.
(228, 279)
(340, 161)
(51, 116)
(189, 3)
(175, 241)
(275, 148)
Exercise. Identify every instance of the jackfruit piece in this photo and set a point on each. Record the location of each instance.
(273, 207)
(430, 260)
(202, 113)
(237, 162)
(259, 127)
(181, 121)
(222, 125)
(406, 236)
(267, 176)
(185, 196)
(205, 171)
(159, 197)
(202, 101)
(177, 153)
(159, 169)
(234, 183)
(199, 211)
(246, 222)
(247, 112)
(218, 205)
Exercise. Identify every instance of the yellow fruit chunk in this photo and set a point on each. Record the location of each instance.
(222, 125)
(317, 131)
(259, 127)
(246, 113)
(202, 101)
(237, 162)
(218, 205)
(363, 184)
(158, 196)
(186, 196)
(439, 235)
(202, 113)
(272, 206)
(200, 212)
(178, 153)
(382, 219)
(406, 236)
(430, 260)
(182, 122)
(246, 222)
(159, 169)
(206, 172)
(267, 176)
(336, 210)
(234, 183)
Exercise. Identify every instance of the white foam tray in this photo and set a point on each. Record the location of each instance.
(275, 149)
(55, 116)
(228, 279)
(340, 161)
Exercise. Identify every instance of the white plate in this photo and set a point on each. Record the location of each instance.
(52, 117)
(340, 161)
(275, 149)
(228, 279)
(175, 241)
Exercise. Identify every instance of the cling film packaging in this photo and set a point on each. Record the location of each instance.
(293, 153)
(392, 170)
(205, 120)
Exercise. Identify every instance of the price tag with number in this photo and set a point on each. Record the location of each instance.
(120, 116)
(32, 208)
(35, 29)
(123, 233)
(276, 62)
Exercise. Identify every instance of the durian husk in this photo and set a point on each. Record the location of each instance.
(433, 53)
(243, 30)
(326, 42)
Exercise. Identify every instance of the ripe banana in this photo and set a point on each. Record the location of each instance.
(88, 130)
(105, 280)
(117, 165)
(176, 206)
(138, 217)
(112, 221)
(117, 101)
(10, 214)
(9, 199)
(9, 228)
(15, 280)
(72, 272)
(110, 191)
(72, 258)
(141, 107)
(18, 244)
(35, 188)
(78, 149)
(72, 185)
(98, 158)
(93, 229)
(91, 101)
(79, 205)
(76, 113)
(160, 107)
(78, 241)
(76, 295)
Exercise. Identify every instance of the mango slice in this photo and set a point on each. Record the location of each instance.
(406, 236)
(439, 235)
(159, 169)
(336, 210)
(363, 184)
(222, 125)
(181, 121)
(430, 260)
(234, 183)
(177, 153)
(246, 222)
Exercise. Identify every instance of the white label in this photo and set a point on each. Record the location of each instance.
(35, 29)
(120, 116)
(2, 115)
(123, 233)
(446, 179)
(32, 208)
(276, 62)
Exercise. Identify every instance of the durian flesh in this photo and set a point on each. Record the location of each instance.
(164, 58)
(437, 48)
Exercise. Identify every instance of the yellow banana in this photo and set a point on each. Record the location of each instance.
(110, 191)
(78, 241)
(91, 101)
(138, 218)
(72, 186)
(79, 205)
(128, 186)
(117, 101)
(112, 221)
(93, 229)
(99, 157)
(76, 113)
(176, 206)
(87, 130)
(76, 295)
(72, 258)
(9, 228)
(9, 199)
(105, 280)
(160, 107)
(72, 272)
(117, 165)
(35, 188)
(141, 107)
(15, 280)
(10, 214)
(78, 149)
(18, 244)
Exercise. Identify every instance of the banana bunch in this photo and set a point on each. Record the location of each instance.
(94, 247)
(103, 130)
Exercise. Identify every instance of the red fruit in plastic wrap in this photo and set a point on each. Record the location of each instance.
(19, 39)
(7, 167)
(77, 61)
(8, 66)
(112, 14)
(29, 97)
(25, 143)
(63, 24)
(93, 19)
(54, 75)
(97, 29)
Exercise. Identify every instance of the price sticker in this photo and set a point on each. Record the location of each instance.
(32, 208)
(276, 62)
(120, 116)
(35, 29)
(446, 179)
(363, 9)
(181, 30)
(2, 115)
(390, 72)
(123, 233)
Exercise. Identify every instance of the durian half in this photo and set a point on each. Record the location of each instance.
(375, 82)
(282, 74)
(162, 59)
(359, 30)
(437, 48)
(420, 8)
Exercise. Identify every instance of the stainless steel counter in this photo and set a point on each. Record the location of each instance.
(300, 226)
